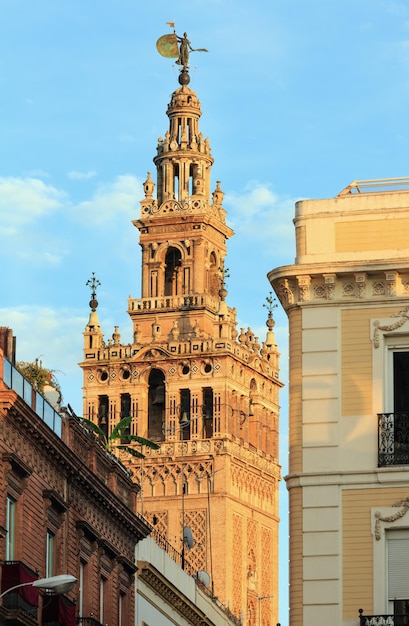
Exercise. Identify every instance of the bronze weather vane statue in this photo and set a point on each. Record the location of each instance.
(173, 46)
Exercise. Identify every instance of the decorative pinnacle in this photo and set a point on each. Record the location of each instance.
(93, 283)
(270, 304)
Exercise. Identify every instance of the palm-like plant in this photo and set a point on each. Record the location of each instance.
(119, 434)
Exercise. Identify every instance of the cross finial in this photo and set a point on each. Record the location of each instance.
(93, 283)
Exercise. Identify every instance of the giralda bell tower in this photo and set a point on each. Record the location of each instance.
(206, 393)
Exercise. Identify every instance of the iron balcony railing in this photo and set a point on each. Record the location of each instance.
(393, 439)
(383, 620)
(88, 621)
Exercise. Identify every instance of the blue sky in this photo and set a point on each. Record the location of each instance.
(299, 98)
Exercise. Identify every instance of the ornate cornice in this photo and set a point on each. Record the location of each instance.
(298, 285)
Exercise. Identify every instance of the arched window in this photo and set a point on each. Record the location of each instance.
(156, 405)
(207, 412)
(173, 262)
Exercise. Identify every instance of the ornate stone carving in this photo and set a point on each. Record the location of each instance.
(304, 283)
(404, 506)
(378, 288)
(285, 294)
(403, 315)
(319, 291)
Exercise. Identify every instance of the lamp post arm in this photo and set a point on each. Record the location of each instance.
(16, 587)
(58, 584)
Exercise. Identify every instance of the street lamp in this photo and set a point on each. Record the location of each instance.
(56, 584)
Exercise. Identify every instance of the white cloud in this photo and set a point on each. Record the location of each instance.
(55, 338)
(260, 215)
(112, 199)
(37, 173)
(23, 200)
(74, 175)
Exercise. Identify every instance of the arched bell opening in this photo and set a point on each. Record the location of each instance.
(185, 414)
(207, 412)
(173, 264)
(156, 405)
(103, 413)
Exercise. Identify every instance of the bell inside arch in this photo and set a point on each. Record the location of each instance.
(159, 395)
(184, 418)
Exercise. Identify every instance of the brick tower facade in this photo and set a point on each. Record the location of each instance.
(192, 383)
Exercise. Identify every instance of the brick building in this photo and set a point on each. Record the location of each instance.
(66, 506)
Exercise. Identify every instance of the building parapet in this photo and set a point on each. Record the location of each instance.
(172, 303)
(13, 379)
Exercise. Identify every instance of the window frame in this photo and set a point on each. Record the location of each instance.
(11, 504)
(49, 553)
(384, 519)
(388, 335)
(393, 345)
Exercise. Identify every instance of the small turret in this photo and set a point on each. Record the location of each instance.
(93, 336)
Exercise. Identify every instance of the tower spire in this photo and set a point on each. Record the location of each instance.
(183, 230)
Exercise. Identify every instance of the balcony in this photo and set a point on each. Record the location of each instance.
(383, 620)
(19, 606)
(393, 439)
(58, 611)
(88, 621)
(172, 303)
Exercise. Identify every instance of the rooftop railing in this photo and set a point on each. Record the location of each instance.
(14, 380)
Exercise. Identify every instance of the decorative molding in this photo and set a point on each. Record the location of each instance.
(404, 506)
(403, 316)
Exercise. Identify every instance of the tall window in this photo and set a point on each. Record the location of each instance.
(49, 554)
(184, 418)
(401, 381)
(81, 590)
(122, 609)
(173, 262)
(10, 527)
(103, 407)
(207, 412)
(398, 571)
(101, 599)
(156, 405)
(125, 405)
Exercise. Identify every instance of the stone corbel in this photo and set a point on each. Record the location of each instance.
(304, 283)
(360, 284)
(393, 283)
(329, 281)
(285, 294)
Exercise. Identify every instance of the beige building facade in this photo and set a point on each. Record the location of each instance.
(347, 301)
(205, 391)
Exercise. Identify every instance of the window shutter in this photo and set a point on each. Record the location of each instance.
(398, 565)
